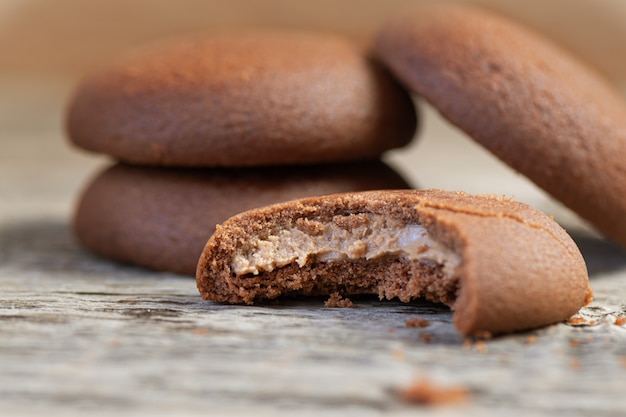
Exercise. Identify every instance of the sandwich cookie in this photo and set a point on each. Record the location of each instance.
(501, 265)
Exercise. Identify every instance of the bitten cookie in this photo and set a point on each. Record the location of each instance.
(247, 99)
(523, 98)
(162, 218)
(501, 265)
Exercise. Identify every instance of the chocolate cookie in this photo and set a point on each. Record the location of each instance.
(526, 100)
(245, 99)
(162, 218)
(501, 265)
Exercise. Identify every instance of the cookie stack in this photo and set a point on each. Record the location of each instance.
(205, 128)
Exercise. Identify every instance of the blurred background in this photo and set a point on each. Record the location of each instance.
(62, 37)
(47, 45)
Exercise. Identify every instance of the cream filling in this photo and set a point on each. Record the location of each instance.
(374, 236)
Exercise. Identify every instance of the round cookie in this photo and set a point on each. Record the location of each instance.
(161, 218)
(248, 99)
(501, 265)
(534, 106)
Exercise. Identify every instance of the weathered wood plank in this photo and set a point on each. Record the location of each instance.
(115, 338)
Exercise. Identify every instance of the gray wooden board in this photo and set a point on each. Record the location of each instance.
(83, 335)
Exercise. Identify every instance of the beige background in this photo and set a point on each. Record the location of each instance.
(69, 36)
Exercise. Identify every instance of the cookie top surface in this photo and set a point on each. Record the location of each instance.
(161, 218)
(501, 265)
(242, 99)
(526, 100)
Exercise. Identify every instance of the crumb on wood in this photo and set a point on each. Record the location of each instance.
(337, 301)
(576, 321)
(620, 321)
(477, 342)
(424, 392)
(398, 354)
(532, 339)
(426, 337)
(483, 335)
(417, 322)
(574, 342)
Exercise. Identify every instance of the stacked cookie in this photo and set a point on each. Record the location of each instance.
(205, 128)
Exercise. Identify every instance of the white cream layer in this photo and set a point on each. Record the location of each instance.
(373, 237)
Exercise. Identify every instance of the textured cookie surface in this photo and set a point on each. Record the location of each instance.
(162, 218)
(523, 98)
(242, 100)
(501, 265)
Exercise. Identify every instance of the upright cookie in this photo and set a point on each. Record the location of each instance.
(501, 265)
(246, 99)
(162, 218)
(523, 98)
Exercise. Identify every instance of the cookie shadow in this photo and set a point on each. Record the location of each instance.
(382, 319)
(601, 255)
(48, 246)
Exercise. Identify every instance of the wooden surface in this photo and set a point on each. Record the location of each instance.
(80, 335)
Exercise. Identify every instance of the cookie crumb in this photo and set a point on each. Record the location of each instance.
(481, 347)
(576, 321)
(417, 322)
(398, 354)
(620, 321)
(337, 301)
(532, 339)
(424, 392)
(426, 337)
(483, 335)
(574, 342)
